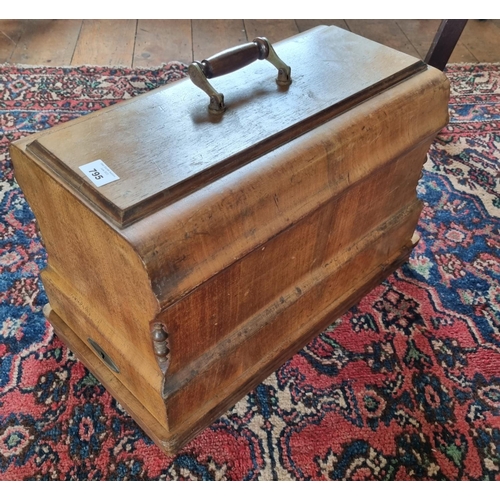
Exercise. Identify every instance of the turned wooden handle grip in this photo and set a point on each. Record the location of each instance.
(233, 59)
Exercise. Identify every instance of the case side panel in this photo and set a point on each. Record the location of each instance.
(95, 281)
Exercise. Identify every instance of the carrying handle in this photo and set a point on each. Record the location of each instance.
(231, 60)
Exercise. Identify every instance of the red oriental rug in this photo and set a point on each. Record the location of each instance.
(406, 385)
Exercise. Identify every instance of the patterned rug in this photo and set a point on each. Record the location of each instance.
(406, 385)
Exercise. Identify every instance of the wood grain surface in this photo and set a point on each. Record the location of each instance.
(162, 40)
(274, 30)
(10, 33)
(482, 39)
(107, 42)
(157, 163)
(212, 37)
(51, 42)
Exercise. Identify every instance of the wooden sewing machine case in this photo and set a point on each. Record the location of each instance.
(219, 244)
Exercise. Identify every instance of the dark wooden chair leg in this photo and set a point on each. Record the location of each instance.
(444, 42)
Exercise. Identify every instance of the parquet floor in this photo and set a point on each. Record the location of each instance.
(147, 43)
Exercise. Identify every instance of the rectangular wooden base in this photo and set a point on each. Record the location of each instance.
(172, 442)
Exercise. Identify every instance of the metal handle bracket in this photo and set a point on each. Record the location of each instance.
(231, 60)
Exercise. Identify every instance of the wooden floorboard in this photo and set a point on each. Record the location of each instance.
(307, 24)
(10, 32)
(149, 43)
(462, 54)
(47, 42)
(106, 42)
(482, 39)
(213, 36)
(160, 41)
(386, 32)
(419, 32)
(272, 29)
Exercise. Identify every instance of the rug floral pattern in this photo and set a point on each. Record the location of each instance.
(406, 385)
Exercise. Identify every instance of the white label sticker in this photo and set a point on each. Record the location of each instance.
(99, 173)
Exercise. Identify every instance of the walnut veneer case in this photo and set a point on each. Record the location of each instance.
(220, 243)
